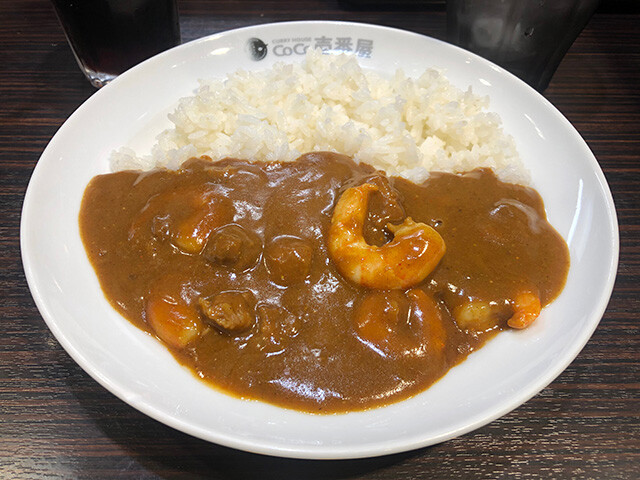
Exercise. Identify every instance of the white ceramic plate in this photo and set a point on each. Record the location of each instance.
(138, 369)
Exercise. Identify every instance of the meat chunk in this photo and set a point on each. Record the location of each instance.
(276, 326)
(288, 259)
(234, 247)
(230, 312)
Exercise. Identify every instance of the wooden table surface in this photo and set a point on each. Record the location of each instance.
(56, 422)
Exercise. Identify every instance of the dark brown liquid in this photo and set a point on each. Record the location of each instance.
(302, 346)
(111, 36)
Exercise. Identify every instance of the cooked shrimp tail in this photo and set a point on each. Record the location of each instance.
(405, 261)
(526, 309)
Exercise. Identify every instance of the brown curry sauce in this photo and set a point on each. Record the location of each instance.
(260, 246)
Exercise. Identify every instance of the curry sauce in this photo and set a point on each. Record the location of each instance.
(228, 263)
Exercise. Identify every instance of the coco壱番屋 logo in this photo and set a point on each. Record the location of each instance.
(298, 46)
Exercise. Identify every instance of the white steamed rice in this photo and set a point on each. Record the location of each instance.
(404, 126)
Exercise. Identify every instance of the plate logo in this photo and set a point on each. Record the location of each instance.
(297, 46)
(257, 49)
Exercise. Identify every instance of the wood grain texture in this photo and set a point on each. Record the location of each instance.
(56, 422)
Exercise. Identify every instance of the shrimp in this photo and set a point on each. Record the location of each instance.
(482, 316)
(405, 261)
(401, 323)
(185, 216)
(527, 309)
(173, 321)
(478, 316)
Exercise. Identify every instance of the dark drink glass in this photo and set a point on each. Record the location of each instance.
(110, 36)
(527, 37)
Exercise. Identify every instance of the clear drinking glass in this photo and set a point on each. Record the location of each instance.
(109, 36)
(527, 37)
